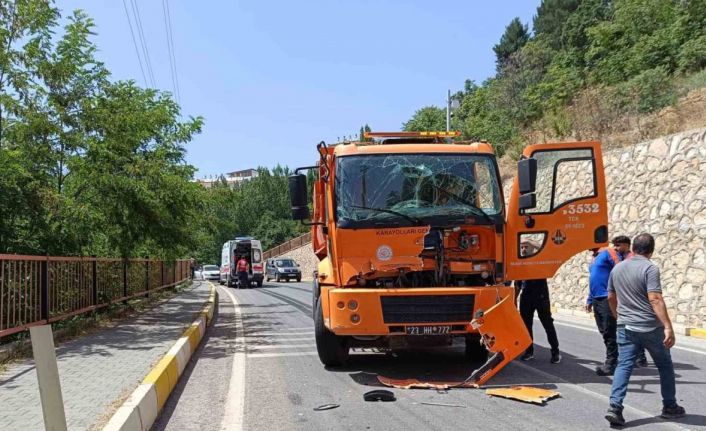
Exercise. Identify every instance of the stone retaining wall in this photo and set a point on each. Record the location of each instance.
(657, 187)
(306, 259)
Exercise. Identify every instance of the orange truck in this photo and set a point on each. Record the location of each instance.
(417, 246)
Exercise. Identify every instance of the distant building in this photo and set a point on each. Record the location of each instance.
(232, 178)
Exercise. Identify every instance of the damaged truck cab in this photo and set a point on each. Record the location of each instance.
(416, 245)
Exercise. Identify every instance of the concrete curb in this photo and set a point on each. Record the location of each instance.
(141, 408)
(679, 328)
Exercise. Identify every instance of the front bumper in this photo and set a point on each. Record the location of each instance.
(389, 311)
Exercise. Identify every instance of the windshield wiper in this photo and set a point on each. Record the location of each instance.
(415, 220)
(465, 202)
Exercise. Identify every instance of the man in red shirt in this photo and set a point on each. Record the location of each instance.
(242, 269)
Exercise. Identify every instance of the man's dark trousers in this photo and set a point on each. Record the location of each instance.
(607, 326)
(535, 297)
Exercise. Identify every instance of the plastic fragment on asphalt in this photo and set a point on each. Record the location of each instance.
(418, 384)
(379, 395)
(525, 394)
(326, 407)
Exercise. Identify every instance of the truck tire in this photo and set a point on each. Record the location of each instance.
(229, 282)
(259, 283)
(333, 350)
(315, 292)
(278, 279)
(475, 350)
(299, 279)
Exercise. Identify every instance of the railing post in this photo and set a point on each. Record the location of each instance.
(125, 280)
(94, 282)
(147, 276)
(44, 287)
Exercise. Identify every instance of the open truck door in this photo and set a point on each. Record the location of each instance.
(557, 208)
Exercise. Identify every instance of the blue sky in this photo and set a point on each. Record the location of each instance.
(273, 78)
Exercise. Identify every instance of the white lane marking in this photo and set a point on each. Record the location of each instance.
(277, 355)
(606, 399)
(280, 346)
(288, 330)
(282, 339)
(277, 334)
(235, 400)
(585, 328)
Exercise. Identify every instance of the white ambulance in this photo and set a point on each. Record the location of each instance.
(249, 248)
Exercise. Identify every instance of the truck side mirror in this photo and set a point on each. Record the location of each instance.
(298, 197)
(528, 201)
(527, 175)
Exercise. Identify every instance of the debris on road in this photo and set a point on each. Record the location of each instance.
(426, 403)
(379, 395)
(418, 384)
(326, 407)
(525, 394)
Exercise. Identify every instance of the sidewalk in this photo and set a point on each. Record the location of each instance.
(98, 370)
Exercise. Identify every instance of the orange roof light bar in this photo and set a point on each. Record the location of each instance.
(451, 134)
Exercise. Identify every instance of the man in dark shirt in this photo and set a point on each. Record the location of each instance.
(535, 297)
(635, 299)
(604, 261)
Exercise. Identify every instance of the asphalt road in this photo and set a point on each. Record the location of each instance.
(258, 370)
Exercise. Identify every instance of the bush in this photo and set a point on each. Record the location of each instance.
(649, 91)
(692, 55)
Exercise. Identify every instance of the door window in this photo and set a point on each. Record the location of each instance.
(563, 176)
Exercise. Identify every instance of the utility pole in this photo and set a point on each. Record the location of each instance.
(448, 111)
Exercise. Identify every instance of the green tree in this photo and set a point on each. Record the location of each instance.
(428, 118)
(514, 38)
(551, 17)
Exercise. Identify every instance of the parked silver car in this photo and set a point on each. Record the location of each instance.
(210, 272)
(282, 269)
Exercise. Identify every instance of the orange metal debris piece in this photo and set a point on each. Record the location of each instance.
(525, 394)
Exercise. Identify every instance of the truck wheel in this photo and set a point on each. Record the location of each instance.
(475, 350)
(277, 278)
(229, 282)
(299, 279)
(259, 283)
(333, 350)
(315, 291)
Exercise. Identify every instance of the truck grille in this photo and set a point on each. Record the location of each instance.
(427, 308)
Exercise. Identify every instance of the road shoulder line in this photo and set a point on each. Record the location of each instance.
(142, 407)
(235, 400)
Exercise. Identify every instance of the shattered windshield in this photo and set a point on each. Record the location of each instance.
(415, 189)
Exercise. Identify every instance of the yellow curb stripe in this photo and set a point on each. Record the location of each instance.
(194, 337)
(164, 377)
(149, 398)
(697, 333)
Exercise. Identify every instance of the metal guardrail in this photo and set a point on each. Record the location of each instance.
(288, 246)
(35, 290)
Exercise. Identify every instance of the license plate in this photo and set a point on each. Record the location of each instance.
(428, 330)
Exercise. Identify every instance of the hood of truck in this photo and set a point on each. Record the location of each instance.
(381, 250)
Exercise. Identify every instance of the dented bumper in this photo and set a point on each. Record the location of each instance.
(382, 312)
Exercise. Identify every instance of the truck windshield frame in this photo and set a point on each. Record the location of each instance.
(400, 189)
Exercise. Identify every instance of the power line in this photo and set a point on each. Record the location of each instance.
(134, 42)
(143, 41)
(170, 48)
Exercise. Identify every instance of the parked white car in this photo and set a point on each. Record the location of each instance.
(210, 272)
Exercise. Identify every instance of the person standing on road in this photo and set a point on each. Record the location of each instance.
(603, 263)
(192, 267)
(635, 299)
(242, 269)
(535, 297)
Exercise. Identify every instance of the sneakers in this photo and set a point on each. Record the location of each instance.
(527, 356)
(556, 358)
(615, 416)
(673, 412)
(605, 370)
